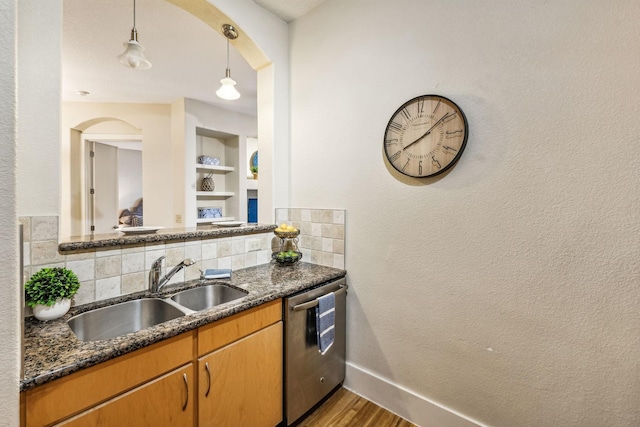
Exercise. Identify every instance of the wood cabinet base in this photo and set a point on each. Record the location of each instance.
(241, 384)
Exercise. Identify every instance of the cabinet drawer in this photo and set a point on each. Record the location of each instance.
(165, 401)
(69, 395)
(218, 334)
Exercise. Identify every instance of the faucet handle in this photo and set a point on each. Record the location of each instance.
(157, 263)
(154, 274)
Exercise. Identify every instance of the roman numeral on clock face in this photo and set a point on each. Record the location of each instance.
(395, 156)
(396, 127)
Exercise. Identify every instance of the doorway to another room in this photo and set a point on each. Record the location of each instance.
(113, 182)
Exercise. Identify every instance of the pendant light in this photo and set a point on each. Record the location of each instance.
(133, 56)
(227, 90)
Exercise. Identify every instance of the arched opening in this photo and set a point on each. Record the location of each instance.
(214, 18)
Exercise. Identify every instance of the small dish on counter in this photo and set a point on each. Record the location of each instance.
(227, 223)
(139, 230)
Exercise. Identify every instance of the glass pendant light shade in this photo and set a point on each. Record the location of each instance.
(228, 90)
(133, 56)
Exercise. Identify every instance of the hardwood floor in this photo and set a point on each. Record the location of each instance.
(347, 409)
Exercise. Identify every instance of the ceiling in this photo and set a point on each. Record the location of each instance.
(188, 57)
(288, 10)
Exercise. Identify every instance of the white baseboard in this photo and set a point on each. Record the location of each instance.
(401, 401)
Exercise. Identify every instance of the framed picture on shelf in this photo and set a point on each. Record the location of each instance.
(210, 212)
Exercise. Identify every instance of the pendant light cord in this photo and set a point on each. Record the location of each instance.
(228, 73)
(134, 32)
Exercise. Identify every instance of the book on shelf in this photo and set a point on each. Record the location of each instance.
(217, 273)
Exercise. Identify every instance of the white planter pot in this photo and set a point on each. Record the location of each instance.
(59, 309)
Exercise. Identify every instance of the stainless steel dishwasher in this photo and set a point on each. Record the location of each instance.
(310, 375)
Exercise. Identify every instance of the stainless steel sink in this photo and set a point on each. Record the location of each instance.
(123, 318)
(204, 297)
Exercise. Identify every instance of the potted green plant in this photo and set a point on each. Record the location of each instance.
(49, 292)
(254, 171)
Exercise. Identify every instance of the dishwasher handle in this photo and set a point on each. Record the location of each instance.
(313, 303)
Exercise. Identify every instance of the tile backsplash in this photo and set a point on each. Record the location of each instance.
(110, 272)
(115, 271)
(322, 233)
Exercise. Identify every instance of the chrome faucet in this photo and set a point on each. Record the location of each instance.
(155, 282)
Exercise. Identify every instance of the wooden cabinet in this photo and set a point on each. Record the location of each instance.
(240, 369)
(70, 395)
(241, 384)
(165, 401)
(238, 380)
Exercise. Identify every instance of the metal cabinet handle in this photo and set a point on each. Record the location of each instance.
(186, 384)
(313, 303)
(206, 368)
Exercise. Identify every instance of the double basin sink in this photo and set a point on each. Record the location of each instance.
(132, 316)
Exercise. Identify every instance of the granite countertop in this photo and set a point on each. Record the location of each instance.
(119, 238)
(52, 350)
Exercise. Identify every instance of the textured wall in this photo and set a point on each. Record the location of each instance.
(10, 332)
(39, 69)
(507, 290)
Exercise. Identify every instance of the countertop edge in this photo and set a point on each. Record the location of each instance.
(91, 354)
(79, 243)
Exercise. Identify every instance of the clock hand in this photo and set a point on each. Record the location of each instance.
(429, 131)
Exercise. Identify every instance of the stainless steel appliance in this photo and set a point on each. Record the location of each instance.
(310, 375)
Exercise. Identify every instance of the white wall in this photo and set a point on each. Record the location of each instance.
(507, 290)
(39, 71)
(10, 314)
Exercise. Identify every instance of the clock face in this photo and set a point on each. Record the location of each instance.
(425, 136)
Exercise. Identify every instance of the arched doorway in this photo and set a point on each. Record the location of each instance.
(106, 174)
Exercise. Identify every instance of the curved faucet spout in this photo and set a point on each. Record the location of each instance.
(155, 282)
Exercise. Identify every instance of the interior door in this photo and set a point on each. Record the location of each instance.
(104, 188)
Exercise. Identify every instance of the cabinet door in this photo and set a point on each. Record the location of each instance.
(241, 384)
(165, 401)
(75, 393)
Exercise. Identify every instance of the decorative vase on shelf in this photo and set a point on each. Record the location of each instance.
(207, 183)
(255, 175)
(51, 312)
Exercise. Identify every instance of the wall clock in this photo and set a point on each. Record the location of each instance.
(425, 136)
